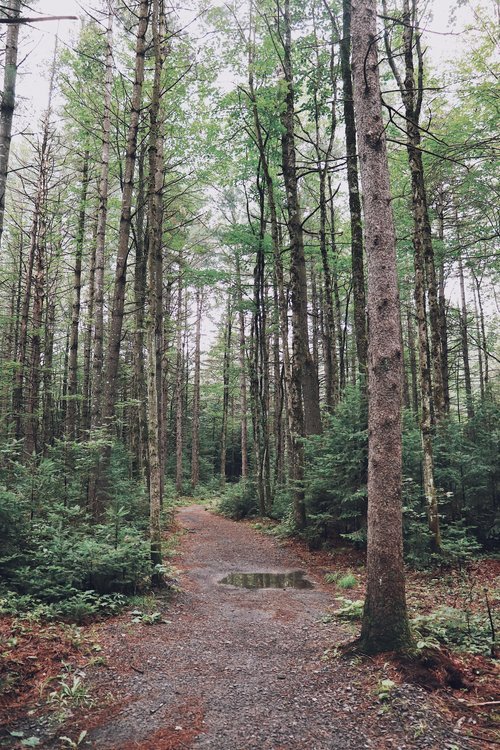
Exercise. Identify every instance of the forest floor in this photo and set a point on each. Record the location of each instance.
(226, 668)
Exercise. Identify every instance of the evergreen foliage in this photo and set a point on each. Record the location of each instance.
(55, 554)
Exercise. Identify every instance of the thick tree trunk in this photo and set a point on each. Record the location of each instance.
(385, 623)
(8, 99)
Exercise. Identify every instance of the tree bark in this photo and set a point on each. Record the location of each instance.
(432, 392)
(118, 303)
(72, 389)
(243, 371)
(385, 623)
(87, 342)
(464, 336)
(411, 94)
(225, 394)
(154, 321)
(357, 262)
(195, 433)
(102, 212)
(307, 419)
(140, 292)
(179, 417)
(8, 100)
(279, 277)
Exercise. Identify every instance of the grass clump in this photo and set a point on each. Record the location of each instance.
(344, 581)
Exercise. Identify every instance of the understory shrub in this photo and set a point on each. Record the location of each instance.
(54, 554)
(336, 470)
(456, 628)
(239, 500)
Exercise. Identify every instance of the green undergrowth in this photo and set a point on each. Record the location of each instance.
(450, 627)
(57, 562)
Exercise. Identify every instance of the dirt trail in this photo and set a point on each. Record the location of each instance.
(237, 669)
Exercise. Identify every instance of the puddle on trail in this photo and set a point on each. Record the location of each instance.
(293, 580)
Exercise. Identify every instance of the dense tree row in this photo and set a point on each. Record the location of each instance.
(183, 293)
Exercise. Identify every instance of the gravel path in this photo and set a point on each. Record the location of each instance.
(237, 669)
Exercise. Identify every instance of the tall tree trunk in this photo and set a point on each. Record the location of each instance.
(243, 372)
(37, 262)
(8, 99)
(225, 395)
(431, 389)
(72, 389)
(385, 623)
(413, 360)
(464, 336)
(483, 342)
(315, 313)
(155, 285)
(195, 434)
(259, 378)
(179, 416)
(307, 419)
(479, 343)
(323, 156)
(412, 94)
(22, 343)
(443, 327)
(140, 292)
(337, 313)
(87, 342)
(102, 213)
(48, 412)
(357, 263)
(118, 303)
(31, 444)
(281, 294)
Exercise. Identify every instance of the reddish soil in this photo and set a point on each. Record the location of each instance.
(236, 669)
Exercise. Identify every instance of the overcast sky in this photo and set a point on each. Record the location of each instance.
(39, 42)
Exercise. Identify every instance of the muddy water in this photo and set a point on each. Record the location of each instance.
(294, 580)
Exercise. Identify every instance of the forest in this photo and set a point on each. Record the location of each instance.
(249, 258)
